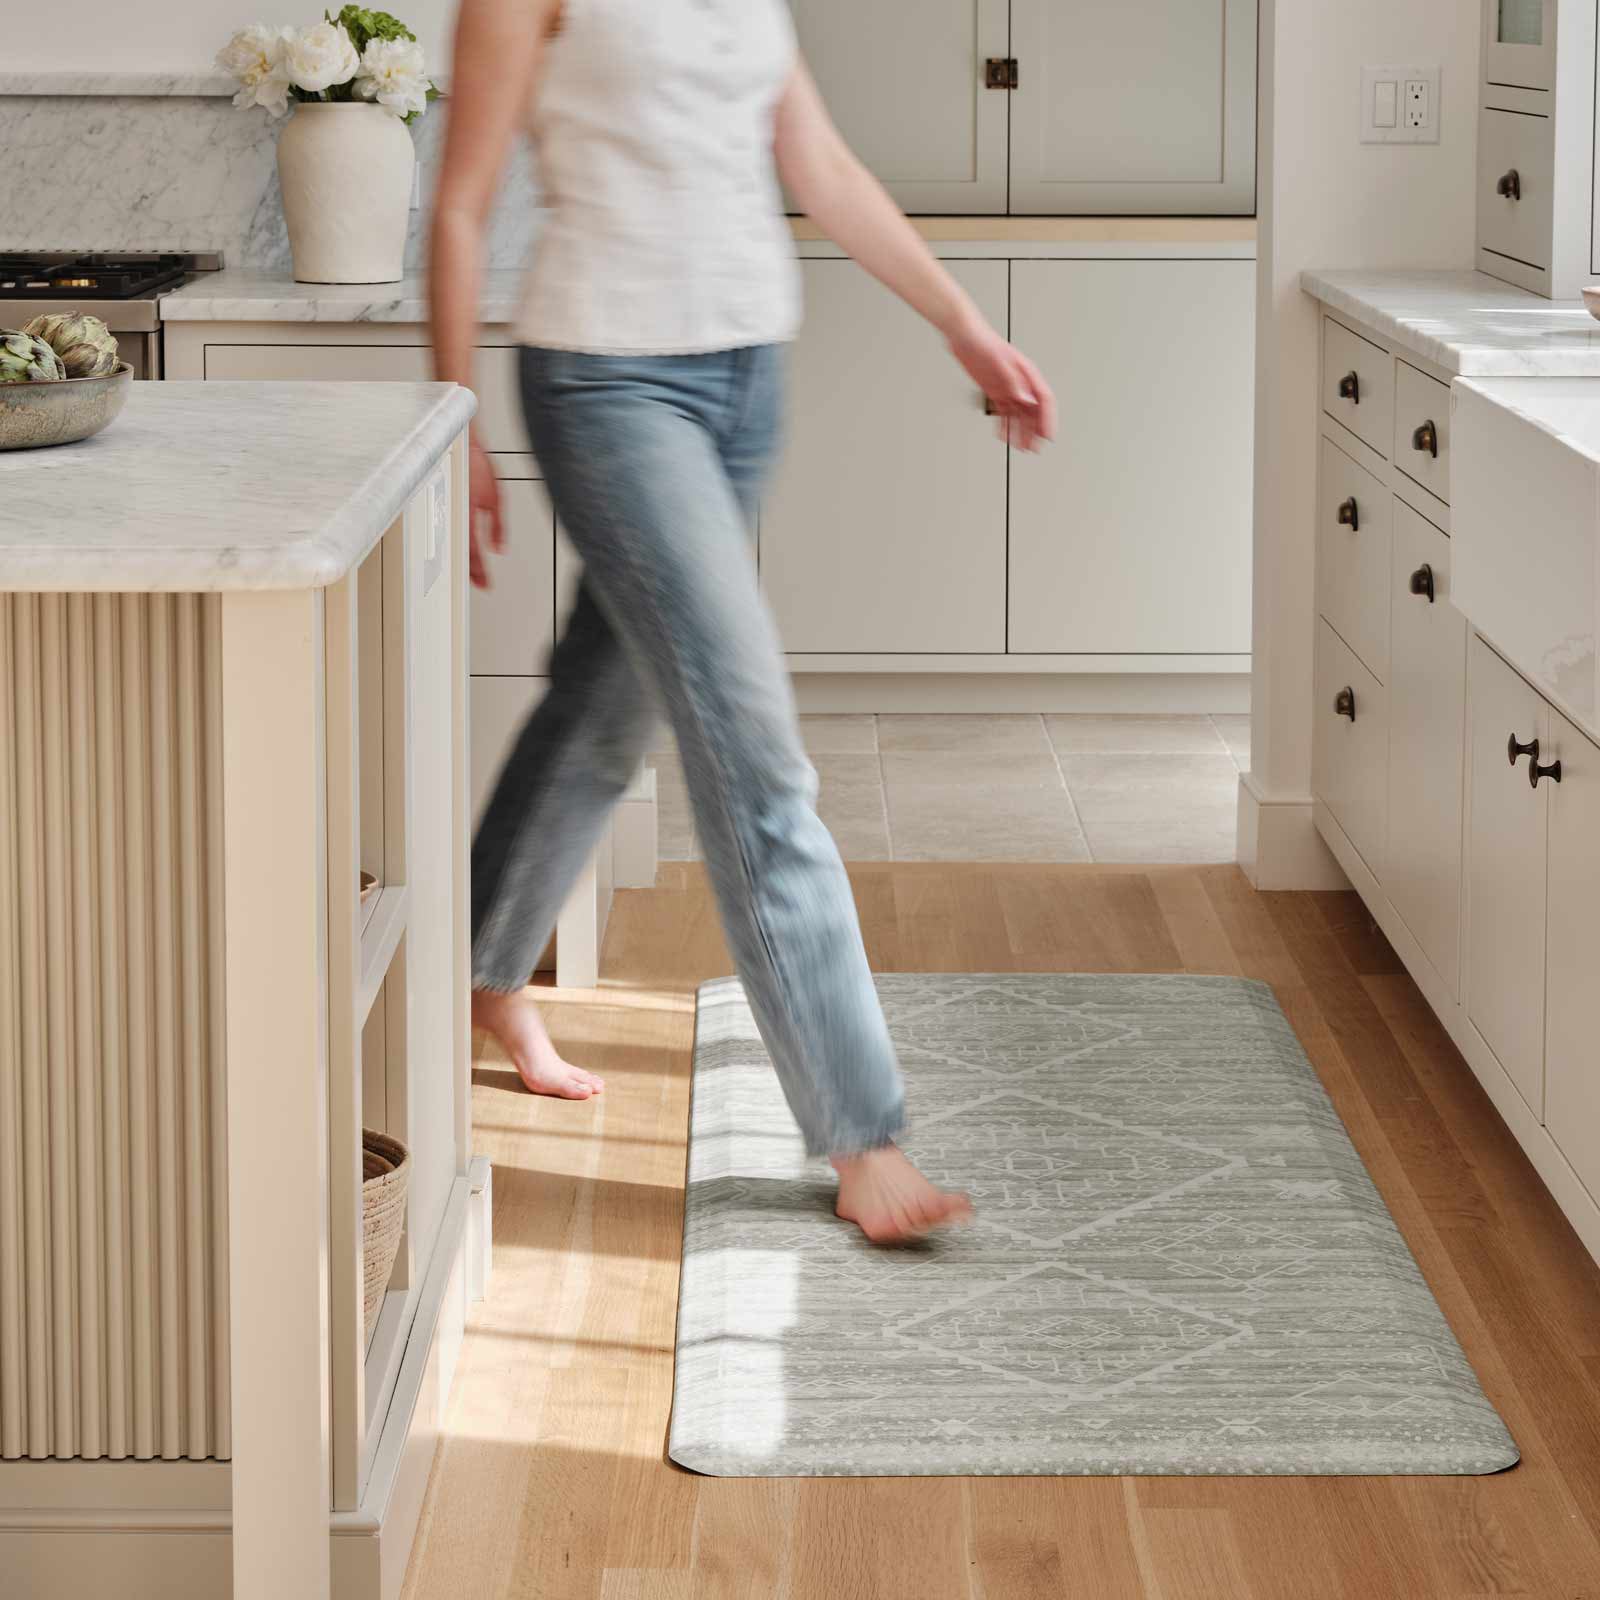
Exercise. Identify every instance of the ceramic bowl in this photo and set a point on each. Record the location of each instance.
(1591, 298)
(35, 414)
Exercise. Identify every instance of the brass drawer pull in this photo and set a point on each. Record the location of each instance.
(1510, 186)
(1350, 515)
(1422, 581)
(1344, 703)
(1350, 388)
(1426, 438)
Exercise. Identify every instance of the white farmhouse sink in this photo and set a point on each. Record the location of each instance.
(1525, 527)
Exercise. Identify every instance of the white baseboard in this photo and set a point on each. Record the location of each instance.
(1170, 693)
(1279, 846)
(163, 1529)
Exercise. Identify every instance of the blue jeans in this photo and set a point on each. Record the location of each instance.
(655, 465)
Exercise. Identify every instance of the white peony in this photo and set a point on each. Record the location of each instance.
(255, 56)
(319, 57)
(391, 74)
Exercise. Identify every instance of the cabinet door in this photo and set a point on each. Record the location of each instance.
(1506, 873)
(904, 79)
(885, 528)
(1131, 533)
(498, 708)
(1572, 1022)
(1519, 43)
(1427, 731)
(1134, 107)
(1350, 744)
(511, 624)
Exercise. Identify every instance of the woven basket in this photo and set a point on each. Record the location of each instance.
(385, 1175)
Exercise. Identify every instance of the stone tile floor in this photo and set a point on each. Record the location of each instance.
(1022, 787)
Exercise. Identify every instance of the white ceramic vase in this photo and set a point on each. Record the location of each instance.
(345, 171)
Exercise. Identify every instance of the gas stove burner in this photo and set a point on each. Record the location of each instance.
(106, 276)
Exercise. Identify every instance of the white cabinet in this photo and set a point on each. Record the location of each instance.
(1572, 983)
(904, 79)
(1134, 107)
(1422, 429)
(885, 527)
(1358, 384)
(1427, 694)
(1132, 532)
(1120, 107)
(498, 709)
(1536, 145)
(1350, 744)
(513, 621)
(1353, 556)
(1506, 837)
(1519, 43)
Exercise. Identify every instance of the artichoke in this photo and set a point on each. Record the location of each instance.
(27, 359)
(85, 344)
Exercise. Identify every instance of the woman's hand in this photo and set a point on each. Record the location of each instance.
(484, 512)
(1016, 390)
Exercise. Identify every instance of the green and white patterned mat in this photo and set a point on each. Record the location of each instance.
(1179, 1264)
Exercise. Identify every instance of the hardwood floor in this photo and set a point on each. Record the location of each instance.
(552, 1482)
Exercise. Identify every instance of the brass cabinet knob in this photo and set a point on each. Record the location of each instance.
(1515, 747)
(1422, 581)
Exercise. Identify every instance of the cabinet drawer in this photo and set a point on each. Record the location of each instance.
(1506, 872)
(1422, 428)
(1353, 523)
(1427, 700)
(499, 419)
(1357, 384)
(1516, 225)
(1350, 745)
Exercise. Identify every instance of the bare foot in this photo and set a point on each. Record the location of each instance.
(890, 1201)
(513, 1021)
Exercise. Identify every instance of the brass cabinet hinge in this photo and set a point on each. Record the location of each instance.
(1000, 72)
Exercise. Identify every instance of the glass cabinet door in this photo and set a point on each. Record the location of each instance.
(1520, 22)
(1519, 43)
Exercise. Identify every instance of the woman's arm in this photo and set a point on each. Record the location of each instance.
(850, 206)
(497, 49)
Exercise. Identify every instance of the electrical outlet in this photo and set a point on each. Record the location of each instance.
(1399, 105)
(1417, 103)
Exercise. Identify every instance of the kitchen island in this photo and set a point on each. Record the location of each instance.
(233, 629)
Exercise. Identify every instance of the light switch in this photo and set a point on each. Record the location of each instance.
(1385, 104)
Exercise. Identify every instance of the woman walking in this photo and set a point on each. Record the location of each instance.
(662, 291)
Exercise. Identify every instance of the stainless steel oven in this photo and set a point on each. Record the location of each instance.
(123, 290)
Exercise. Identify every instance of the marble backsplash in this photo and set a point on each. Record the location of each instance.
(181, 171)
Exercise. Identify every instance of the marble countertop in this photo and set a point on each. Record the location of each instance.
(238, 296)
(1466, 322)
(211, 486)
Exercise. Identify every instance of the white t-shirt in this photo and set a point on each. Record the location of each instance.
(653, 130)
